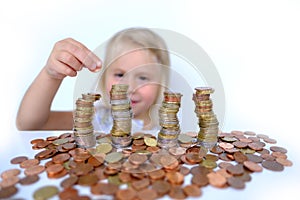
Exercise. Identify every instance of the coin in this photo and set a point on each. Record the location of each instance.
(216, 179)
(10, 172)
(272, 165)
(45, 192)
(137, 159)
(28, 180)
(126, 194)
(8, 192)
(192, 190)
(236, 182)
(29, 163)
(34, 170)
(18, 159)
(147, 194)
(252, 166)
(113, 157)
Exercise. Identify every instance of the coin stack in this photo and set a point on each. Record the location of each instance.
(122, 116)
(170, 129)
(82, 121)
(208, 122)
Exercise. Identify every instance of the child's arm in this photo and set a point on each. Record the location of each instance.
(67, 57)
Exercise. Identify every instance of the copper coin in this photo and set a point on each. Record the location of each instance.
(161, 187)
(168, 161)
(28, 180)
(34, 170)
(45, 154)
(61, 158)
(236, 183)
(9, 181)
(193, 158)
(54, 169)
(96, 161)
(223, 172)
(10, 172)
(177, 151)
(69, 146)
(29, 163)
(88, 180)
(236, 169)
(147, 194)
(175, 178)
(256, 145)
(252, 166)
(104, 188)
(140, 184)
(278, 154)
(157, 174)
(240, 144)
(224, 165)
(254, 158)
(83, 169)
(278, 149)
(284, 162)
(176, 192)
(37, 140)
(137, 159)
(239, 157)
(268, 157)
(184, 170)
(18, 159)
(69, 182)
(272, 165)
(216, 180)
(126, 194)
(270, 140)
(192, 190)
(68, 193)
(8, 192)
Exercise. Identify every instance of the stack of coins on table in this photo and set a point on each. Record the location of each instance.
(170, 128)
(82, 120)
(122, 116)
(208, 122)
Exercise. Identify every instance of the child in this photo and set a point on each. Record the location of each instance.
(136, 56)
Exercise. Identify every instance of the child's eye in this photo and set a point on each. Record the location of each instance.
(143, 78)
(118, 75)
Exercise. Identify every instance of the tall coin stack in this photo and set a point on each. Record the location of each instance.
(208, 122)
(170, 129)
(122, 116)
(82, 120)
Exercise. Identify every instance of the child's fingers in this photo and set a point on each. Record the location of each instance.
(69, 60)
(61, 70)
(84, 55)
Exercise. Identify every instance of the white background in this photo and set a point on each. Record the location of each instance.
(255, 46)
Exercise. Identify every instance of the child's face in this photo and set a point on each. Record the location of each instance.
(138, 69)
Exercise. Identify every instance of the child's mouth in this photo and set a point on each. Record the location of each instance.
(133, 103)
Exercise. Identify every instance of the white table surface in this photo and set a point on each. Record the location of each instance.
(264, 185)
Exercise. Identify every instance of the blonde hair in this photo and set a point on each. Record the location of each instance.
(132, 39)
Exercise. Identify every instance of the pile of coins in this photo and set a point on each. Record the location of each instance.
(144, 170)
(208, 122)
(121, 114)
(82, 120)
(170, 128)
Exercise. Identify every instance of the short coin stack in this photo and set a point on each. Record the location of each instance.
(170, 129)
(208, 122)
(121, 114)
(82, 123)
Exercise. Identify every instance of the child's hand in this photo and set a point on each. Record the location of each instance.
(69, 56)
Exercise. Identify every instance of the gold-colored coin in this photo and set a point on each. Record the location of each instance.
(151, 142)
(104, 148)
(113, 157)
(45, 192)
